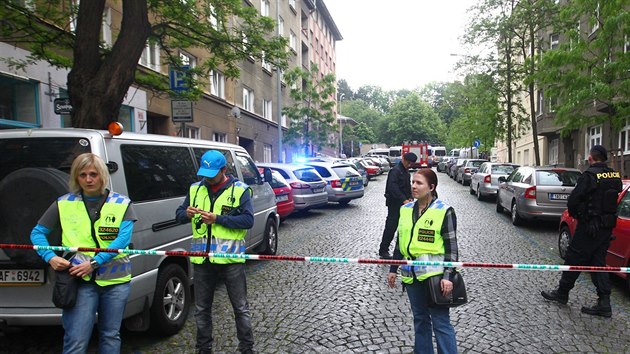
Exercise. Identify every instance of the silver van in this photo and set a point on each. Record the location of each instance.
(155, 171)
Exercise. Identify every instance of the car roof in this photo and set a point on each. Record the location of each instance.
(284, 166)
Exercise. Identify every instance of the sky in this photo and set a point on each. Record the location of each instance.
(398, 44)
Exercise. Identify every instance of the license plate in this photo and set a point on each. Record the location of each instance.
(557, 196)
(282, 198)
(318, 190)
(353, 183)
(22, 276)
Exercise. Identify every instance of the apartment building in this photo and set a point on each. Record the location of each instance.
(243, 111)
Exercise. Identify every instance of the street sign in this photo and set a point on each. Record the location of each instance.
(476, 143)
(182, 111)
(178, 79)
(62, 106)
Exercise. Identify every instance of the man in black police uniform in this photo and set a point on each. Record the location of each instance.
(593, 203)
(397, 193)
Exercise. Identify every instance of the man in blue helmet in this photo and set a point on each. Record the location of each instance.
(221, 211)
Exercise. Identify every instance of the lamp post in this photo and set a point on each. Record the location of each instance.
(278, 89)
(340, 126)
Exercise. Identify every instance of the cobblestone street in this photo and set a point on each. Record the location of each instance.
(302, 307)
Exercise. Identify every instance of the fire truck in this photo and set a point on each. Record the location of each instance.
(421, 150)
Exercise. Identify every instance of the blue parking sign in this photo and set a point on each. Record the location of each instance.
(178, 79)
(476, 143)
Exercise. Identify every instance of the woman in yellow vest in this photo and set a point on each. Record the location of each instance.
(91, 216)
(426, 232)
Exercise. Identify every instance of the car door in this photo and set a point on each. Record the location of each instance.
(619, 249)
(508, 188)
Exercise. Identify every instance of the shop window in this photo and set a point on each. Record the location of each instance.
(18, 103)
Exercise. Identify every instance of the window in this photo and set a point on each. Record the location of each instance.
(18, 103)
(74, 13)
(125, 117)
(281, 26)
(106, 31)
(623, 209)
(248, 99)
(231, 170)
(292, 4)
(626, 46)
(284, 120)
(187, 59)
(264, 8)
(554, 41)
(593, 137)
(265, 65)
(552, 103)
(220, 137)
(217, 84)
(151, 56)
(553, 151)
(624, 138)
(540, 99)
(248, 169)
(595, 20)
(267, 153)
(212, 17)
(191, 132)
(157, 172)
(268, 109)
(293, 41)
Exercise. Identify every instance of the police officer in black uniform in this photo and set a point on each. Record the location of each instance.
(593, 203)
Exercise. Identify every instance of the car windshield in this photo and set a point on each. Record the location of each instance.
(345, 171)
(307, 175)
(557, 178)
(502, 169)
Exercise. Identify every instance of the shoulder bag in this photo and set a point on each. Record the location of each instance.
(65, 289)
(456, 298)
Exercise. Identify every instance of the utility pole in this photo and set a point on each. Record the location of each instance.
(278, 89)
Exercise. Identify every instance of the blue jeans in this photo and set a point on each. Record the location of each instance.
(428, 319)
(78, 322)
(207, 277)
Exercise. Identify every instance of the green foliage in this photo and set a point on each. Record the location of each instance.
(312, 116)
(410, 118)
(591, 69)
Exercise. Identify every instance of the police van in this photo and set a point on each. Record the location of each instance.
(155, 171)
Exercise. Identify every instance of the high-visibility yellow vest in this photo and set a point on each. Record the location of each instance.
(421, 240)
(217, 238)
(76, 227)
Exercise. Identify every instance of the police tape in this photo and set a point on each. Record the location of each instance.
(261, 257)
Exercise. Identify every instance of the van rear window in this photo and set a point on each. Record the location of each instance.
(56, 153)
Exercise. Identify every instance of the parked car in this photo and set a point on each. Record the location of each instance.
(467, 169)
(455, 166)
(619, 250)
(443, 164)
(307, 186)
(534, 192)
(485, 182)
(359, 167)
(155, 172)
(283, 192)
(343, 182)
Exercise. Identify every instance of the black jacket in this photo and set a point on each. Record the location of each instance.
(595, 194)
(398, 188)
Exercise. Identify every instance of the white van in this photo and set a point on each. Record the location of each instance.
(155, 171)
(436, 154)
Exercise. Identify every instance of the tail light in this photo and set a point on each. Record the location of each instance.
(530, 193)
(298, 185)
(335, 183)
(467, 170)
(487, 179)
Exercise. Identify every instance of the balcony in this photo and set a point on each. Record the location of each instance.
(545, 124)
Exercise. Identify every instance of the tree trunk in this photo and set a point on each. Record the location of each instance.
(532, 104)
(98, 82)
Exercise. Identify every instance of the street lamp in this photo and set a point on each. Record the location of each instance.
(340, 126)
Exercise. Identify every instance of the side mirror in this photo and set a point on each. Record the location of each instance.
(502, 179)
(267, 175)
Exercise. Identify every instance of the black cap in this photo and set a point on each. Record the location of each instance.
(410, 156)
(600, 151)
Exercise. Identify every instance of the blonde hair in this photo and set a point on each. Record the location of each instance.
(86, 160)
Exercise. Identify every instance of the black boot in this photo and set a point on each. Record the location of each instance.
(602, 308)
(556, 295)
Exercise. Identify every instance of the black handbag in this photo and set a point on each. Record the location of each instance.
(456, 298)
(65, 289)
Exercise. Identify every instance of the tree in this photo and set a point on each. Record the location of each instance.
(410, 119)
(312, 116)
(100, 75)
(364, 133)
(588, 77)
(344, 92)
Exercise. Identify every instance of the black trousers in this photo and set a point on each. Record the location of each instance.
(391, 224)
(587, 250)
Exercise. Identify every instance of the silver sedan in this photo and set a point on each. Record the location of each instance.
(485, 182)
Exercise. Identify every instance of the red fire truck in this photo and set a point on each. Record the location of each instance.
(421, 150)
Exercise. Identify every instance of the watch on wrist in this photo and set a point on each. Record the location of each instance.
(94, 263)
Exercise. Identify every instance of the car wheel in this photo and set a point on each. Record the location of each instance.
(479, 195)
(564, 238)
(269, 244)
(25, 195)
(516, 219)
(171, 300)
(471, 190)
(499, 207)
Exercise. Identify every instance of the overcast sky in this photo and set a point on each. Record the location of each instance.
(398, 44)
